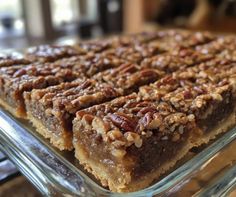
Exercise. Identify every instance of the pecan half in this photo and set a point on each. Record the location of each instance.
(123, 122)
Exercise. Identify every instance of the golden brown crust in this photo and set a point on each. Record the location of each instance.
(15, 112)
(63, 140)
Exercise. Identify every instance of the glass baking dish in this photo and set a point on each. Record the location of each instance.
(206, 171)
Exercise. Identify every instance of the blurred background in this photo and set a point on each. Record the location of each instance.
(27, 22)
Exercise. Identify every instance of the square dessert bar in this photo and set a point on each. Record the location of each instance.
(178, 59)
(53, 109)
(137, 52)
(115, 144)
(94, 46)
(129, 77)
(128, 40)
(15, 80)
(218, 45)
(172, 39)
(215, 71)
(91, 64)
(129, 142)
(206, 90)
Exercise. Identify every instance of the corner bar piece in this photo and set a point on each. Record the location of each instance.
(115, 144)
(15, 80)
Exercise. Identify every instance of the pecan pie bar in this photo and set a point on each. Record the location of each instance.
(15, 80)
(205, 91)
(114, 142)
(183, 39)
(129, 77)
(128, 142)
(218, 45)
(177, 59)
(95, 46)
(137, 52)
(223, 47)
(91, 64)
(132, 39)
